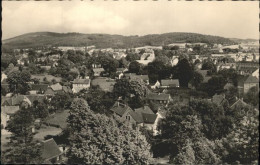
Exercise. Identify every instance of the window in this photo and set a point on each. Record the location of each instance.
(127, 117)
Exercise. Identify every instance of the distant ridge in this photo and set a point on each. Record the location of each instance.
(41, 39)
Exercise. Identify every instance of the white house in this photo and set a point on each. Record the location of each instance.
(79, 84)
(256, 73)
(156, 85)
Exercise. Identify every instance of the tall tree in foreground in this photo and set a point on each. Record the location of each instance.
(98, 139)
(22, 149)
(185, 72)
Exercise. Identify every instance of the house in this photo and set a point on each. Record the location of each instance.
(53, 89)
(237, 104)
(133, 76)
(67, 89)
(256, 73)
(105, 84)
(247, 82)
(121, 70)
(143, 116)
(38, 88)
(160, 98)
(125, 113)
(51, 153)
(45, 67)
(3, 76)
(98, 71)
(16, 100)
(169, 83)
(79, 84)
(6, 113)
(156, 85)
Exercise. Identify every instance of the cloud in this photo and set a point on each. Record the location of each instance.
(228, 19)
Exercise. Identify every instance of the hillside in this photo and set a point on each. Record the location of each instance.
(40, 39)
(243, 40)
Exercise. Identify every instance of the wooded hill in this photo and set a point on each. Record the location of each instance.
(40, 39)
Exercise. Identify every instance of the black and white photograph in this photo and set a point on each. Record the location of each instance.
(130, 82)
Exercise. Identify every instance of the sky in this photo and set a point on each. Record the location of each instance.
(229, 19)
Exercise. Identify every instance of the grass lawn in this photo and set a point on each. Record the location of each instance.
(60, 118)
(46, 130)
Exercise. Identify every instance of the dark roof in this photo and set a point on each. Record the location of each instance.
(60, 118)
(120, 108)
(144, 109)
(50, 149)
(171, 82)
(251, 79)
(158, 96)
(136, 116)
(149, 118)
(80, 81)
(39, 87)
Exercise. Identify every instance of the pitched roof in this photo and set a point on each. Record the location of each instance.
(120, 108)
(238, 103)
(16, 100)
(98, 69)
(251, 79)
(158, 96)
(136, 116)
(80, 81)
(9, 109)
(149, 118)
(56, 87)
(144, 109)
(50, 149)
(134, 76)
(39, 98)
(171, 82)
(39, 87)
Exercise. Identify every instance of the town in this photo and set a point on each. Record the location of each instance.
(180, 103)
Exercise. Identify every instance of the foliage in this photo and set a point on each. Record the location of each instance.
(132, 57)
(17, 81)
(135, 67)
(157, 71)
(252, 96)
(97, 100)
(22, 148)
(61, 101)
(209, 65)
(132, 92)
(241, 145)
(215, 85)
(197, 78)
(184, 72)
(98, 139)
(40, 110)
